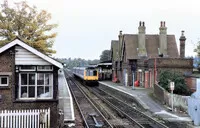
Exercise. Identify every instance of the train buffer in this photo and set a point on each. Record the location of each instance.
(97, 124)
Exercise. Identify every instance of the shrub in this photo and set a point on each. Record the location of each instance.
(180, 85)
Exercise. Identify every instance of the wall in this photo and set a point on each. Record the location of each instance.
(26, 57)
(179, 102)
(191, 83)
(171, 63)
(160, 93)
(7, 68)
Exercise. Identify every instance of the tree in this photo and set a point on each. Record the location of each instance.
(180, 86)
(28, 24)
(197, 49)
(105, 56)
(70, 63)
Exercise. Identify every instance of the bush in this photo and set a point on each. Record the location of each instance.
(180, 85)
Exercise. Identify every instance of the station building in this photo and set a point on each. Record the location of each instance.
(142, 56)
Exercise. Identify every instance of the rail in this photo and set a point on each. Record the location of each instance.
(135, 115)
(92, 117)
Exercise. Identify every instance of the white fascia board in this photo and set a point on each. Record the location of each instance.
(9, 45)
(29, 48)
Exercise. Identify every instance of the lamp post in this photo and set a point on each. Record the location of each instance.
(133, 72)
(133, 87)
(172, 89)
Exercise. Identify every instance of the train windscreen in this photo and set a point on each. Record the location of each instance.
(91, 73)
(94, 73)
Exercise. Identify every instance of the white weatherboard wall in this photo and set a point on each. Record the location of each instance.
(25, 57)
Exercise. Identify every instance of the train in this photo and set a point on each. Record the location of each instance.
(87, 73)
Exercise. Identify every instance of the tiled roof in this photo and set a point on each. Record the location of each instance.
(152, 45)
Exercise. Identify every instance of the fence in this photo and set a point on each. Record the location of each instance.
(180, 102)
(38, 118)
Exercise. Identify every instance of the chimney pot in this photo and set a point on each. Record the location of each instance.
(164, 23)
(182, 33)
(140, 24)
(120, 32)
(161, 24)
(143, 24)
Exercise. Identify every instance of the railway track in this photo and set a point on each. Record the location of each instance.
(129, 116)
(132, 113)
(91, 116)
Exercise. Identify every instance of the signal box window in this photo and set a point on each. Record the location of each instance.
(27, 68)
(35, 85)
(45, 68)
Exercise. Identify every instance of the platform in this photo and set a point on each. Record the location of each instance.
(65, 98)
(145, 98)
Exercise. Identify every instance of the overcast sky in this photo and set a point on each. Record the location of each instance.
(86, 27)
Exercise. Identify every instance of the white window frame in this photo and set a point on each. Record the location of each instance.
(20, 68)
(50, 86)
(51, 69)
(4, 85)
(34, 98)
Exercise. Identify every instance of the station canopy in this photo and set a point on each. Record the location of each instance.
(105, 64)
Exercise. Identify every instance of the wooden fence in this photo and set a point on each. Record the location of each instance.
(38, 118)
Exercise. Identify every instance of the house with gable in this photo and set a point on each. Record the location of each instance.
(29, 83)
(142, 56)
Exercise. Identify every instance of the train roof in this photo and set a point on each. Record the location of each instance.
(86, 67)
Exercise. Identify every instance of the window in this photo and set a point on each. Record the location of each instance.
(35, 85)
(94, 72)
(44, 85)
(45, 68)
(91, 73)
(4, 81)
(27, 68)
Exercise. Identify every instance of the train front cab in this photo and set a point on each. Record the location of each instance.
(91, 76)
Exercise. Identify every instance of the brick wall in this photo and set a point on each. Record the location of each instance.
(171, 63)
(159, 93)
(191, 83)
(7, 67)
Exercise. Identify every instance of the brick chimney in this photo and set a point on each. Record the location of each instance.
(120, 44)
(182, 45)
(163, 39)
(141, 39)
